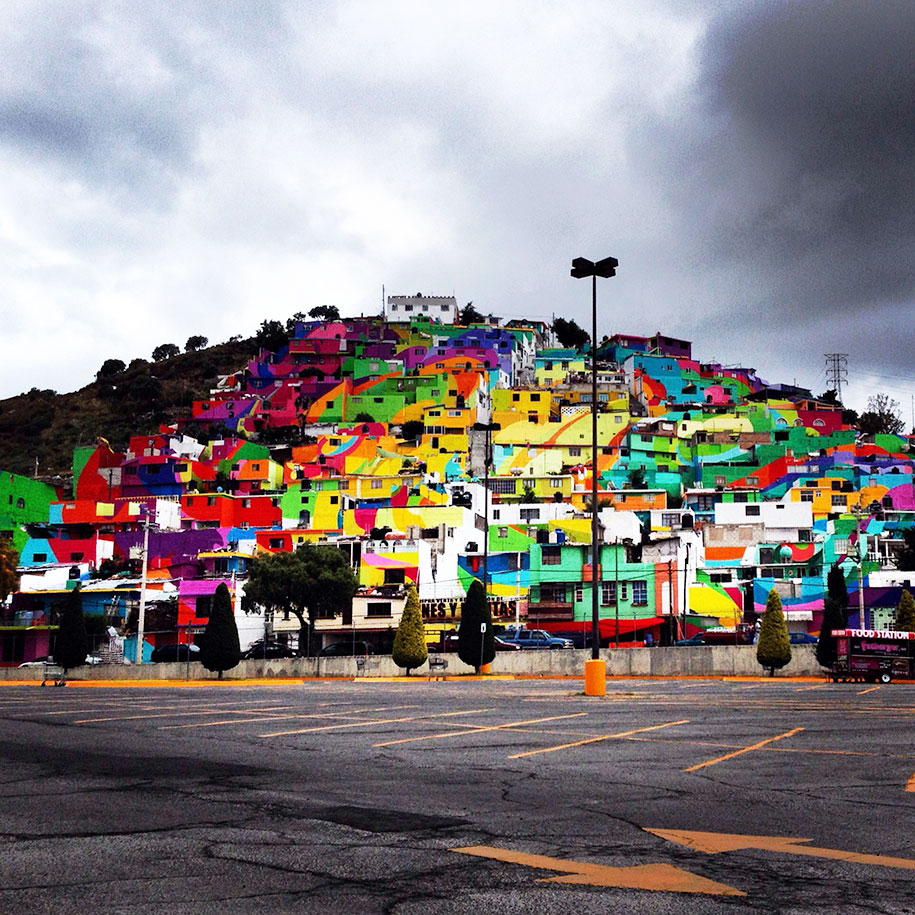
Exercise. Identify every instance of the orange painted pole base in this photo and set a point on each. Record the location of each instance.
(595, 677)
(486, 669)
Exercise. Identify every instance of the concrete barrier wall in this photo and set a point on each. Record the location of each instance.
(700, 660)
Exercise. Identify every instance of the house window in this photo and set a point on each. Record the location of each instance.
(153, 469)
(530, 514)
(753, 481)
(76, 557)
(839, 501)
(607, 593)
(720, 481)
(575, 452)
(203, 606)
(343, 484)
(334, 500)
(579, 593)
(377, 484)
(505, 487)
(394, 576)
(555, 483)
(806, 495)
(551, 555)
(752, 511)
(378, 608)
(640, 593)
(503, 531)
(670, 519)
(276, 543)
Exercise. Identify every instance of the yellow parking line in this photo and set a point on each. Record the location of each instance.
(343, 713)
(198, 712)
(755, 746)
(478, 729)
(870, 689)
(802, 689)
(579, 743)
(236, 711)
(370, 721)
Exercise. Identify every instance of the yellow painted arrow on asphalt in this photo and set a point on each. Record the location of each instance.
(714, 842)
(659, 877)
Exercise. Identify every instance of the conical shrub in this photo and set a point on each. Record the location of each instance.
(409, 649)
(773, 650)
(905, 612)
(476, 647)
(221, 650)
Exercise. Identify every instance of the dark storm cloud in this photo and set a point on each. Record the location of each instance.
(797, 160)
(116, 97)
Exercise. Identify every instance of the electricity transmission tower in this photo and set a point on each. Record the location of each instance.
(836, 372)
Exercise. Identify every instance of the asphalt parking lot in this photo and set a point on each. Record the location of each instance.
(459, 796)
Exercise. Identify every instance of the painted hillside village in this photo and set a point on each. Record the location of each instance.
(436, 453)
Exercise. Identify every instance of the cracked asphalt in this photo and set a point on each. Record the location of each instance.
(352, 797)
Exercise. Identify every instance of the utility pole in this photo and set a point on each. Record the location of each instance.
(837, 372)
(142, 612)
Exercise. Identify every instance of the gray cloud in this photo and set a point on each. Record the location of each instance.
(194, 167)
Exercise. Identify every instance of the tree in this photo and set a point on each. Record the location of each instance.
(221, 650)
(569, 334)
(905, 558)
(881, 416)
(72, 644)
(325, 312)
(905, 612)
(830, 396)
(165, 351)
(314, 581)
(476, 647)
(636, 478)
(469, 315)
(773, 650)
(109, 368)
(195, 343)
(412, 429)
(837, 589)
(271, 335)
(291, 322)
(410, 642)
(9, 561)
(833, 618)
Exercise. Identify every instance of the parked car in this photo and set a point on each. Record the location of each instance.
(534, 638)
(451, 644)
(174, 652)
(696, 639)
(802, 638)
(267, 651)
(345, 649)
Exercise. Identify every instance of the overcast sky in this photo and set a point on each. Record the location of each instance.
(179, 168)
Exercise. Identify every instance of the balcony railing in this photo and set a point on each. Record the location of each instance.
(538, 611)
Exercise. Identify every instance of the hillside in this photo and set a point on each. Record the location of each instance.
(47, 426)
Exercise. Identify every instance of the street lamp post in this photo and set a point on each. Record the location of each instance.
(582, 267)
(595, 672)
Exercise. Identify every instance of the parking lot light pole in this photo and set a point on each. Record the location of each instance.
(595, 674)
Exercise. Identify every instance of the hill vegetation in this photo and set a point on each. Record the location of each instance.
(43, 426)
